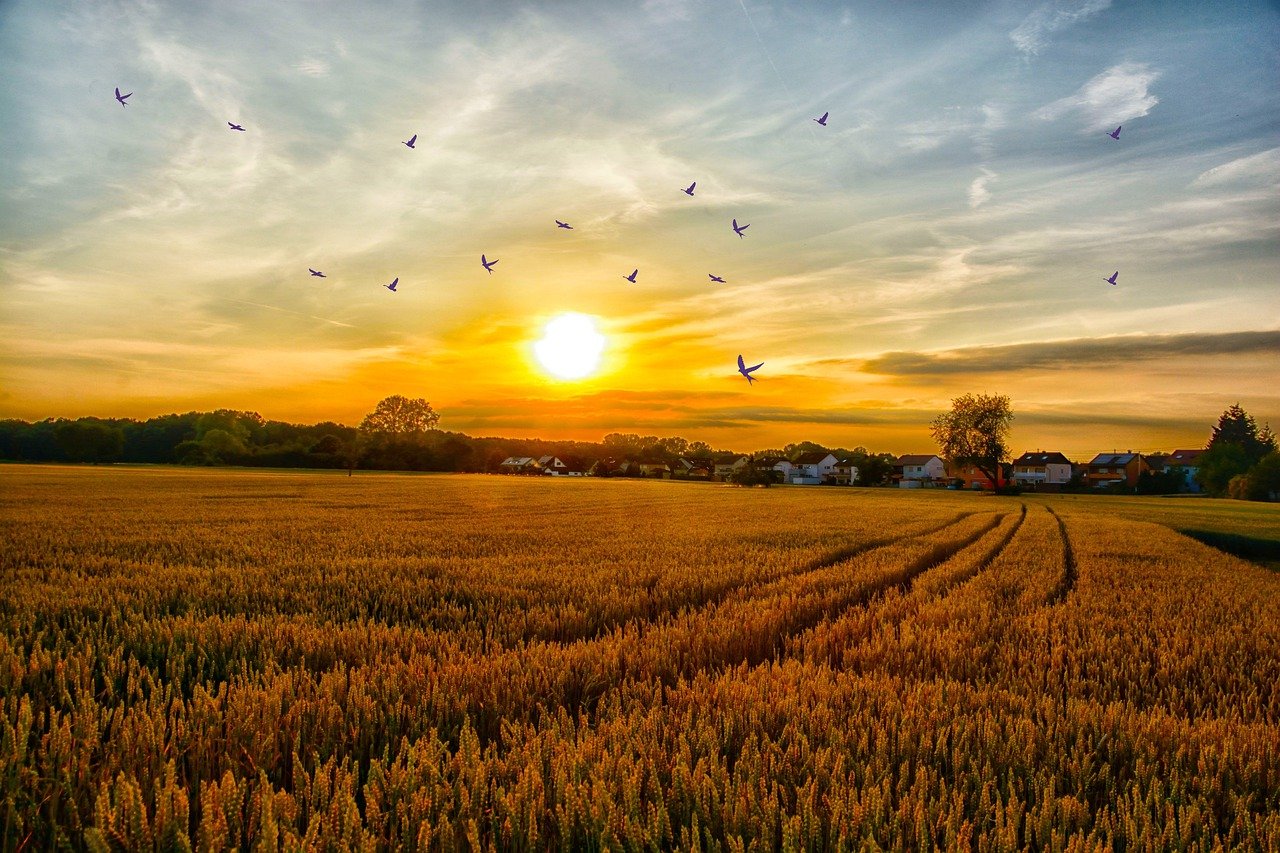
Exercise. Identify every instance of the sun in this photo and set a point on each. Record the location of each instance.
(570, 347)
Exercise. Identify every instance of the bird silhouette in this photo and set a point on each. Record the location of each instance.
(560, 224)
(715, 278)
(121, 98)
(413, 140)
(747, 371)
(316, 273)
(487, 264)
(632, 278)
(1112, 280)
(738, 229)
(1115, 134)
(689, 189)
(392, 285)
(235, 126)
(822, 121)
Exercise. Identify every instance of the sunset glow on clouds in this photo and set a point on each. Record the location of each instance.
(947, 232)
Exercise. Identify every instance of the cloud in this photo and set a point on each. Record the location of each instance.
(1115, 96)
(1263, 166)
(978, 192)
(1030, 36)
(1073, 354)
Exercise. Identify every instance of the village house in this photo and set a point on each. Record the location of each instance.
(778, 467)
(810, 469)
(843, 473)
(1186, 463)
(971, 477)
(557, 466)
(693, 469)
(1109, 469)
(725, 470)
(520, 465)
(1041, 470)
(914, 470)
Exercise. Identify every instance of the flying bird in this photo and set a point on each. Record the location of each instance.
(234, 126)
(1112, 280)
(413, 140)
(715, 278)
(747, 371)
(1115, 134)
(392, 285)
(632, 278)
(487, 264)
(822, 121)
(316, 273)
(738, 229)
(560, 224)
(122, 98)
(689, 189)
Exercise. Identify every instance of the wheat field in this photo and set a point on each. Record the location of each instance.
(215, 660)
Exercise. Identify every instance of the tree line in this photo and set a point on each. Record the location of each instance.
(400, 434)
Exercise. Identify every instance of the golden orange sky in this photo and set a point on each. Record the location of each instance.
(947, 232)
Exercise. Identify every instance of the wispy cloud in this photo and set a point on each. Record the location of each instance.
(978, 192)
(1031, 35)
(1075, 354)
(1117, 95)
(1263, 167)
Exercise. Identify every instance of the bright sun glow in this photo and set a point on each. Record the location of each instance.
(570, 347)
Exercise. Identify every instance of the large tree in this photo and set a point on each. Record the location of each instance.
(1235, 446)
(976, 432)
(397, 415)
(1236, 426)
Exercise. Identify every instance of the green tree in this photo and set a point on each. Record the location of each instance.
(976, 432)
(398, 415)
(1236, 426)
(89, 441)
(1219, 464)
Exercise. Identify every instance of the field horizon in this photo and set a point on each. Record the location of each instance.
(248, 658)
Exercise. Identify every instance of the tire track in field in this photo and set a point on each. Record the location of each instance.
(655, 610)
(1069, 570)
(915, 591)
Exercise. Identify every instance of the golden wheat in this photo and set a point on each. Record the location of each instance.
(216, 660)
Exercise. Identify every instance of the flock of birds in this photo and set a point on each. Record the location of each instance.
(488, 265)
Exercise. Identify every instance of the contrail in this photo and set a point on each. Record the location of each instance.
(287, 311)
(765, 50)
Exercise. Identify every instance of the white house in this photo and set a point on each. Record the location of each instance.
(919, 469)
(845, 473)
(810, 469)
(1041, 468)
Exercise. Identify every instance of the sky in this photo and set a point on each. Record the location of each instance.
(948, 231)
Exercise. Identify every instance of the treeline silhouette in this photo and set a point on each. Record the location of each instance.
(228, 437)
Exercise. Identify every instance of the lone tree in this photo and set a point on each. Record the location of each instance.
(976, 432)
(397, 415)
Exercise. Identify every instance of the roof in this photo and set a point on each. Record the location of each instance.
(1113, 458)
(1183, 457)
(1041, 457)
(813, 457)
(518, 460)
(916, 458)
